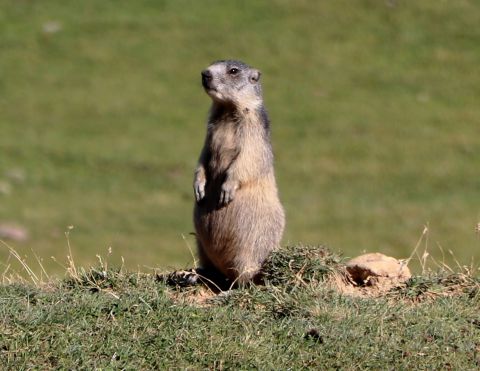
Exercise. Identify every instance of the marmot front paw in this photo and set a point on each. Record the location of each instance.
(228, 192)
(199, 190)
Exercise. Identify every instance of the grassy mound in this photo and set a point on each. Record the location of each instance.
(108, 318)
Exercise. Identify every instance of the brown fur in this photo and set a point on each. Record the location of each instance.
(238, 216)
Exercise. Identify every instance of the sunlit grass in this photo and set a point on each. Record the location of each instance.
(374, 116)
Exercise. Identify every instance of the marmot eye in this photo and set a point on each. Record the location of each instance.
(233, 71)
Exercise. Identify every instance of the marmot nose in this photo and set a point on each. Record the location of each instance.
(206, 75)
(206, 78)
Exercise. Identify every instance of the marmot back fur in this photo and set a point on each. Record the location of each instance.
(238, 216)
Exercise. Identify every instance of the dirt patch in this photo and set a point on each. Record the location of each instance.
(379, 286)
(198, 295)
(188, 287)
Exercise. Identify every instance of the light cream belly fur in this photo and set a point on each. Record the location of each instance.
(238, 237)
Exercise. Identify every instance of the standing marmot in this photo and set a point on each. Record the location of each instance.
(238, 217)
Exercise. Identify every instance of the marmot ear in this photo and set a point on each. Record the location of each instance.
(255, 76)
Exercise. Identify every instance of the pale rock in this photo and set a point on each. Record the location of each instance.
(372, 267)
(13, 232)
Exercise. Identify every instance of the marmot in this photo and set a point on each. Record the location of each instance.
(238, 216)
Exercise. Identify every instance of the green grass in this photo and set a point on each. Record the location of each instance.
(110, 319)
(374, 110)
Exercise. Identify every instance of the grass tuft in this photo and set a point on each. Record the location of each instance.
(300, 265)
(420, 288)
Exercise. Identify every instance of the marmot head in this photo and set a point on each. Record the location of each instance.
(233, 82)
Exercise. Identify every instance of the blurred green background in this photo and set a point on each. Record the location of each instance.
(374, 106)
